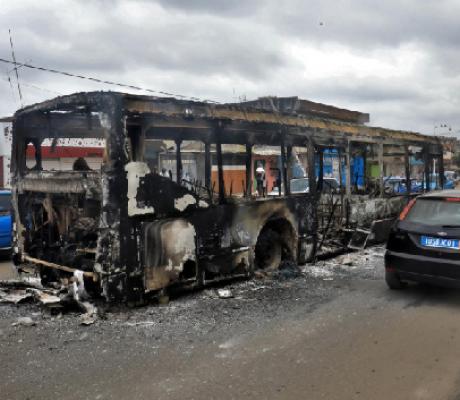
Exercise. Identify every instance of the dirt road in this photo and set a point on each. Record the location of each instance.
(335, 332)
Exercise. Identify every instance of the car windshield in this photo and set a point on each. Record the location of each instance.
(299, 185)
(435, 212)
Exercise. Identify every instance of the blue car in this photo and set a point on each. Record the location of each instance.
(448, 183)
(397, 185)
(5, 220)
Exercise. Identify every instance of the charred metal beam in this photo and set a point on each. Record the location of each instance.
(248, 189)
(58, 266)
(311, 167)
(283, 168)
(178, 162)
(328, 127)
(97, 101)
(381, 168)
(294, 105)
(67, 124)
(207, 165)
(340, 157)
(365, 171)
(289, 165)
(220, 166)
(348, 171)
(320, 153)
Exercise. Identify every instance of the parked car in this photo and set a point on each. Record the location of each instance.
(331, 185)
(451, 175)
(434, 185)
(301, 185)
(397, 185)
(5, 220)
(424, 243)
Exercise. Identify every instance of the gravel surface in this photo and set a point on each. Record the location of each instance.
(202, 312)
(48, 353)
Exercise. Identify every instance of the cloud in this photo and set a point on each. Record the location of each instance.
(396, 60)
(235, 8)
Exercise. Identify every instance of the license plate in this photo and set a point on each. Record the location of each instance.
(428, 241)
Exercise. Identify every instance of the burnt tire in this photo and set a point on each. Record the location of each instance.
(393, 281)
(269, 250)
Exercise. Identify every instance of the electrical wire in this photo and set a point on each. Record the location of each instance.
(30, 85)
(55, 71)
(8, 79)
(15, 67)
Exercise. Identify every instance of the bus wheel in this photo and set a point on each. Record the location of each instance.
(269, 250)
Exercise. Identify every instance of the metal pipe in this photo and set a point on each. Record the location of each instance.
(57, 266)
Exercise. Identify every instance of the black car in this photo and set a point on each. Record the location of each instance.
(424, 244)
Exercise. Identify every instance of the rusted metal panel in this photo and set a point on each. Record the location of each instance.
(169, 245)
(294, 105)
(234, 113)
(194, 112)
(60, 182)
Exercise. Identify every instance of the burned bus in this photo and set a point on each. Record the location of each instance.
(184, 193)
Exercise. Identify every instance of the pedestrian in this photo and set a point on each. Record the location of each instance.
(260, 180)
(164, 173)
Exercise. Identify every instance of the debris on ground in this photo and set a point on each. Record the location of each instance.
(276, 290)
(45, 297)
(90, 313)
(347, 259)
(68, 295)
(14, 296)
(77, 287)
(354, 262)
(224, 293)
(287, 270)
(24, 321)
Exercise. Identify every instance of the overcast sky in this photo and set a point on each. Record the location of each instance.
(398, 60)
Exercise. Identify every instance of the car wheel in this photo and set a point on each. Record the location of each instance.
(393, 281)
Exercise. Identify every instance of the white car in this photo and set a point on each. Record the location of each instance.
(301, 185)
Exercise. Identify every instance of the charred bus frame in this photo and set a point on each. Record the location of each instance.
(131, 230)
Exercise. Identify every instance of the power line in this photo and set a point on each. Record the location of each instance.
(31, 85)
(12, 69)
(55, 71)
(15, 68)
(8, 79)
